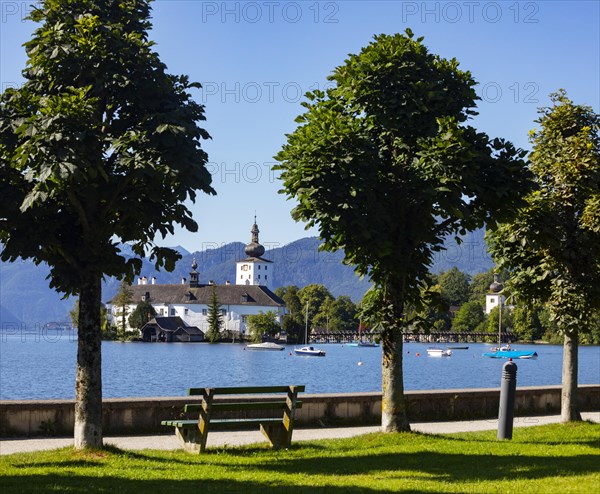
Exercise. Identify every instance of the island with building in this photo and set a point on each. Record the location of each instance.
(182, 310)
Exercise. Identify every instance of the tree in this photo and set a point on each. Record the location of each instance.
(121, 302)
(141, 315)
(526, 324)
(454, 286)
(108, 331)
(385, 165)
(553, 246)
(100, 145)
(343, 314)
(293, 321)
(263, 324)
(468, 317)
(315, 296)
(480, 285)
(493, 321)
(215, 318)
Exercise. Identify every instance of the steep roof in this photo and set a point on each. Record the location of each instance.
(226, 295)
(167, 323)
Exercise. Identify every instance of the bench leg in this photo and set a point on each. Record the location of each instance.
(277, 434)
(190, 438)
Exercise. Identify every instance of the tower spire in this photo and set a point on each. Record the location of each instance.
(254, 249)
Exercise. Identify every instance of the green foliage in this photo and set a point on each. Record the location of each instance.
(386, 166)
(315, 296)
(214, 318)
(468, 317)
(454, 286)
(526, 322)
(293, 321)
(121, 301)
(99, 145)
(492, 322)
(553, 246)
(263, 324)
(480, 286)
(141, 315)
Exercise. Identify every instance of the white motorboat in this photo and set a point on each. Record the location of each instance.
(439, 352)
(309, 351)
(265, 346)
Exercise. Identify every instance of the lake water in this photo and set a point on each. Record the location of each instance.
(34, 367)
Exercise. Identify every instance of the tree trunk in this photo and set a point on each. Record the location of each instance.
(393, 412)
(88, 385)
(394, 416)
(569, 407)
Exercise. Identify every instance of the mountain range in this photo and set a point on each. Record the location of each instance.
(25, 297)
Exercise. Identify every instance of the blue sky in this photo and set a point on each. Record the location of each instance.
(256, 59)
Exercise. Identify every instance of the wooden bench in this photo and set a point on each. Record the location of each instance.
(278, 430)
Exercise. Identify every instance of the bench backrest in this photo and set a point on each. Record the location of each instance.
(240, 390)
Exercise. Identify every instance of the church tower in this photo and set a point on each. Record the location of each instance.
(254, 269)
(494, 297)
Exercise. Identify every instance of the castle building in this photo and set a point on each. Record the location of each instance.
(182, 307)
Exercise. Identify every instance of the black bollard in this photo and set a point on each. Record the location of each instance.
(507, 400)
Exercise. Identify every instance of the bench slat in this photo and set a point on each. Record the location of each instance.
(190, 424)
(242, 406)
(245, 390)
(180, 423)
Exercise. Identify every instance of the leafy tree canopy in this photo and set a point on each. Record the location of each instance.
(263, 324)
(553, 246)
(454, 286)
(385, 164)
(100, 145)
(141, 315)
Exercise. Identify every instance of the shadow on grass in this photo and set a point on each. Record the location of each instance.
(444, 466)
(79, 483)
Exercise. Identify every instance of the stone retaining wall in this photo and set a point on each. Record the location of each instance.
(143, 415)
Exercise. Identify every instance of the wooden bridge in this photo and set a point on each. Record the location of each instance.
(439, 337)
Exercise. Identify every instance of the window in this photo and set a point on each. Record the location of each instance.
(162, 312)
(492, 300)
(245, 267)
(204, 312)
(185, 311)
(173, 311)
(265, 276)
(244, 319)
(224, 312)
(241, 276)
(266, 267)
(259, 276)
(259, 266)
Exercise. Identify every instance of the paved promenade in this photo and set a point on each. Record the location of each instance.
(239, 438)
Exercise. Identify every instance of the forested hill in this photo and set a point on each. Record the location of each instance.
(25, 296)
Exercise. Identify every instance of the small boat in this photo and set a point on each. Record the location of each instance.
(265, 346)
(517, 354)
(453, 347)
(439, 352)
(367, 343)
(309, 351)
(362, 343)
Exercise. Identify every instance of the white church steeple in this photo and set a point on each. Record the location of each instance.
(254, 269)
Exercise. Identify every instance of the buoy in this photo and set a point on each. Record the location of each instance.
(360, 363)
(418, 354)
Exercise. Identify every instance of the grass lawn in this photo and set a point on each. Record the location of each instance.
(545, 459)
